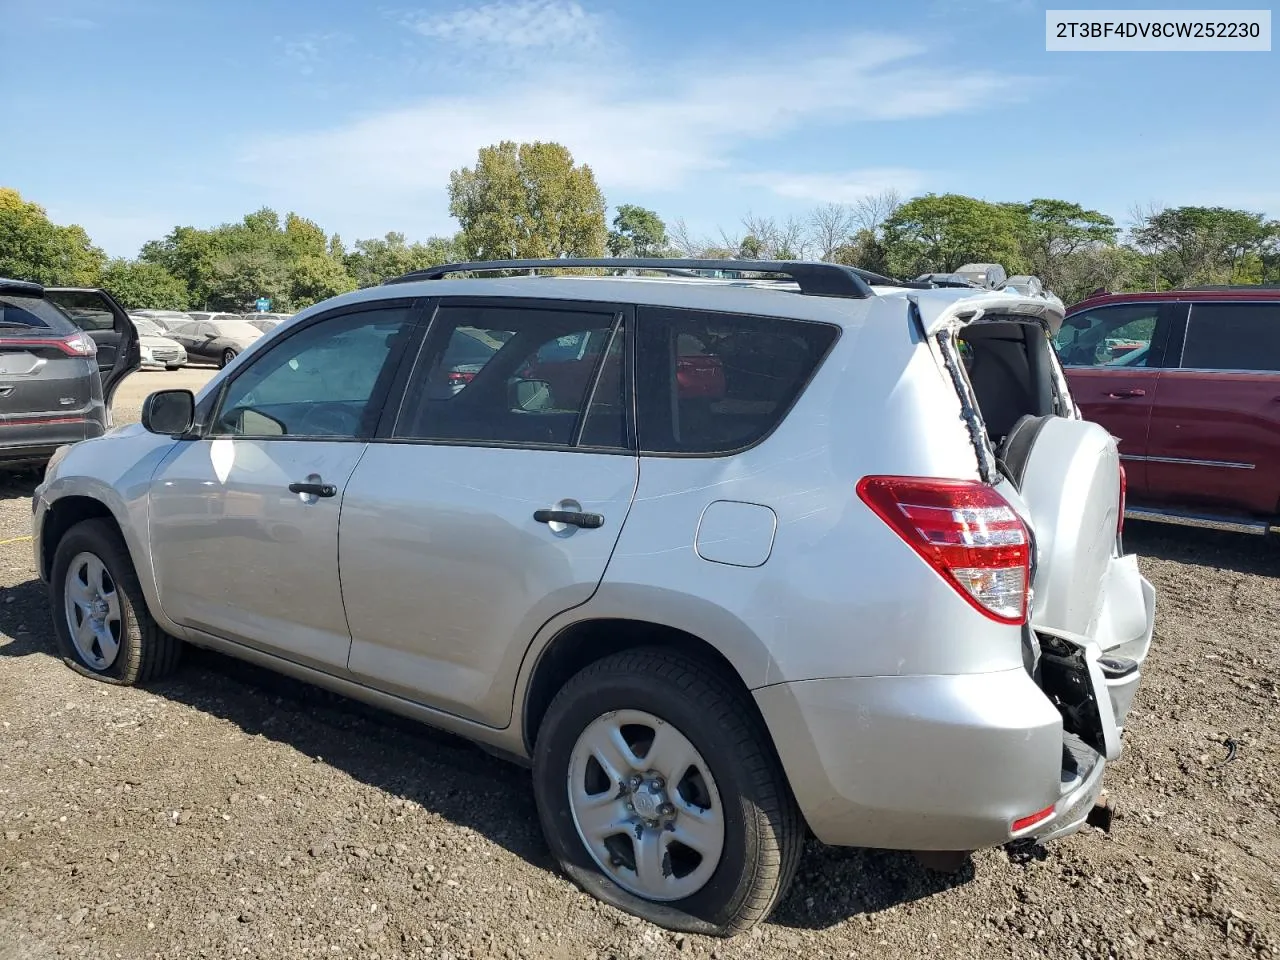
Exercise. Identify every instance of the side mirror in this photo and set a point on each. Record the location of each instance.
(530, 395)
(211, 336)
(169, 412)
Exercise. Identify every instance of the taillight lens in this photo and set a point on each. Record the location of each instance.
(966, 531)
(75, 345)
(1124, 489)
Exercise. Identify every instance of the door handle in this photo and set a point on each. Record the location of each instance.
(314, 489)
(575, 518)
(1126, 394)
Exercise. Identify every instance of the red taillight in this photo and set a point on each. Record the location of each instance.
(1124, 489)
(966, 531)
(75, 345)
(461, 377)
(1023, 823)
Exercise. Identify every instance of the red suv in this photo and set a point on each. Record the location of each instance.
(1189, 382)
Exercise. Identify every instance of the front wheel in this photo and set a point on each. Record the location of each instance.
(659, 793)
(100, 617)
(227, 356)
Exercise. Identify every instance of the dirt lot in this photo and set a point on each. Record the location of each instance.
(226, 812)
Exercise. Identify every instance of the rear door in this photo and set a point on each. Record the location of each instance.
(1113, 356)
(1215, 429)
(99, 315)
(490, 503)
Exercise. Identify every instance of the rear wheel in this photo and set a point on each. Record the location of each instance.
(659, 793)
(100, 617)
(227, 356)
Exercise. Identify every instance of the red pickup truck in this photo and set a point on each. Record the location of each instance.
(1189, 382)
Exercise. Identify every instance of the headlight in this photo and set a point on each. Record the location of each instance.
(146, 353)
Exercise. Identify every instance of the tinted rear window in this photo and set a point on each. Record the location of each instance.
(712, 383)
(18, 315)
(1233, 336)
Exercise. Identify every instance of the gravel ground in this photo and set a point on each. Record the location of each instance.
(228, 812)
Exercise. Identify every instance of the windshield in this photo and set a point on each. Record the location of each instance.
(147, 328)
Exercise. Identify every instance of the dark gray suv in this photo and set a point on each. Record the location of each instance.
(62, 354)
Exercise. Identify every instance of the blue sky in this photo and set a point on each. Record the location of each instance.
(145, 114)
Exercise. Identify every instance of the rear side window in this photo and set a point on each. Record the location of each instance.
(1233, 336)
(711, 383)
(18, 315)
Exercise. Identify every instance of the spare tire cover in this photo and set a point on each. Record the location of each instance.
(1070, 484)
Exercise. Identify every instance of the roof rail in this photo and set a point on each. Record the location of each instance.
(1235, 286)
(815, 279)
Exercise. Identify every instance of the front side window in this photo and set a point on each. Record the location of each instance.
(710, 383)
(324, 381)
(1118, 336)
(516, 375)
(1233, 336)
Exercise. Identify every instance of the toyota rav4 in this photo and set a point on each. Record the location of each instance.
(782, 554)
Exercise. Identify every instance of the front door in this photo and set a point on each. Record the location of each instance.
(244, 519)
(1215, 426)
(492, 505)
(98, 314)
(1112, 356)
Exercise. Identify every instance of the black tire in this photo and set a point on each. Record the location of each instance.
(227, 356)
(146, 652)
(764, 831)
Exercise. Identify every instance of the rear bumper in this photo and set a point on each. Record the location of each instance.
(929, 762)
(33, 440)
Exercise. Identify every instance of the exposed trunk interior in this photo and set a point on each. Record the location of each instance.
(1010, 369)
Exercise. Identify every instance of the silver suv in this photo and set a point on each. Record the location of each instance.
(723, 559)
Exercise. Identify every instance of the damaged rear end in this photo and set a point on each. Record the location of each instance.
(1090, 613)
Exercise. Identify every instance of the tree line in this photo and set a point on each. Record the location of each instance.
(533, 200)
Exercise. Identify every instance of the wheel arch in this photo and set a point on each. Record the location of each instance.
(583, 642)
(93, 499)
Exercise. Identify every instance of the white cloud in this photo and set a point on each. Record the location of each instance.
(521, 24)
(641, 126)
(847, 187)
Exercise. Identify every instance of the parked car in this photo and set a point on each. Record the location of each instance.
(266, 322)
(217, 339)
(58, 368)
(207, 315)
(158, 350)
(858, 573)
(989, 276)
(1189, 382)
(164, 319)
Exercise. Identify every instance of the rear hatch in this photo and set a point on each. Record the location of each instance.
(45, 361)
(1091, 611)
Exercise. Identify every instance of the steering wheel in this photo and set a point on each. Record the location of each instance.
(325, 421)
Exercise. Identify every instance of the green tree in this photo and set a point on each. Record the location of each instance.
(1205, 245)
(141, 286)
(293, 263)
(864, 250)
(637, 232)
(32, 247)
(1052, 233)
(378, 260)
(940, 232)
(527, 200)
